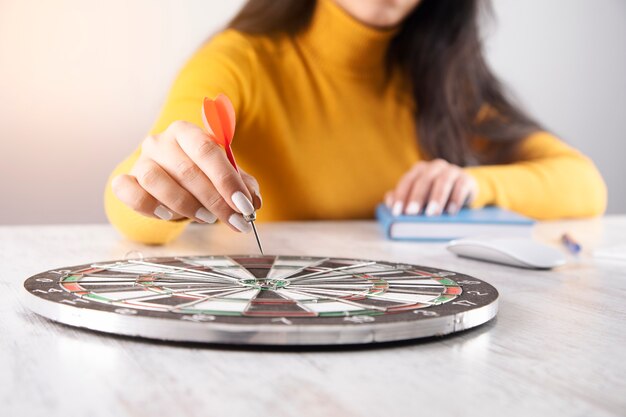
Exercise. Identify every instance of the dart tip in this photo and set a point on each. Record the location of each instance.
(256, 236)
(259, 243)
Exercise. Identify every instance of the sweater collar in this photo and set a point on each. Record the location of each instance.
(342, 42)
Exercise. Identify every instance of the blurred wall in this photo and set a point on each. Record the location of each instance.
(81, 82)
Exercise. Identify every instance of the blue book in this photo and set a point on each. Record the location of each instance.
(488, 221)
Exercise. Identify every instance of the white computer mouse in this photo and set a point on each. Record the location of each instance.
(520, 252)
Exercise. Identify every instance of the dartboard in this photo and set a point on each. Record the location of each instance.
(263, 300)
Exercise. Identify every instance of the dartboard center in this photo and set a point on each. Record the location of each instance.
(264, 284)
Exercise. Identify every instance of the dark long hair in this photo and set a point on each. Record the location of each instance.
(439, 49)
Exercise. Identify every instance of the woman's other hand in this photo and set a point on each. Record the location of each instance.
(182, 173)
(432, 188)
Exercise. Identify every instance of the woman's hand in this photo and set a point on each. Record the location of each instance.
(181, 173)
(434, 187)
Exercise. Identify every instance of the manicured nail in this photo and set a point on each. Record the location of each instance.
(162, 213)
(240, 224)
(413, 208)
(452, 208)
(432, 208)
(205, 215)
(397, 208)
(242, 203)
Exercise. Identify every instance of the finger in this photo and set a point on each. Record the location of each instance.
(389, 199)
(421, 187)
(212, 160)
(253, 187)
(156, 181)
(440, 191)
(402, 190)
(128, 191)
(190, 177)
(462, 193)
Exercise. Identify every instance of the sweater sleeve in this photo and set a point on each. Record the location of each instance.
(550, 180)
(222, 65)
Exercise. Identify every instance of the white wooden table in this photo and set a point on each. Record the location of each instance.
(557, 347)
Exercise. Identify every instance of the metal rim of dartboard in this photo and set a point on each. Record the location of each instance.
(263, 300)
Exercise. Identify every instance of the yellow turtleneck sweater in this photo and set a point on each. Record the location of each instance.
(326, 136)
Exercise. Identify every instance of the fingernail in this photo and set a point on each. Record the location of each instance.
(389, 201)
(432, 208)
(239, 223)
(205, 215)
(162, 213)
(397, 208)
(413, 208)
(242, 203)
(452, 208)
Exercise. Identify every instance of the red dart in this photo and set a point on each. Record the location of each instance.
(218, 117)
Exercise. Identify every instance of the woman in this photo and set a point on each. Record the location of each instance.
(339, 103)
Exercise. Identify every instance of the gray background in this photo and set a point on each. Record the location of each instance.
(82, 81)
